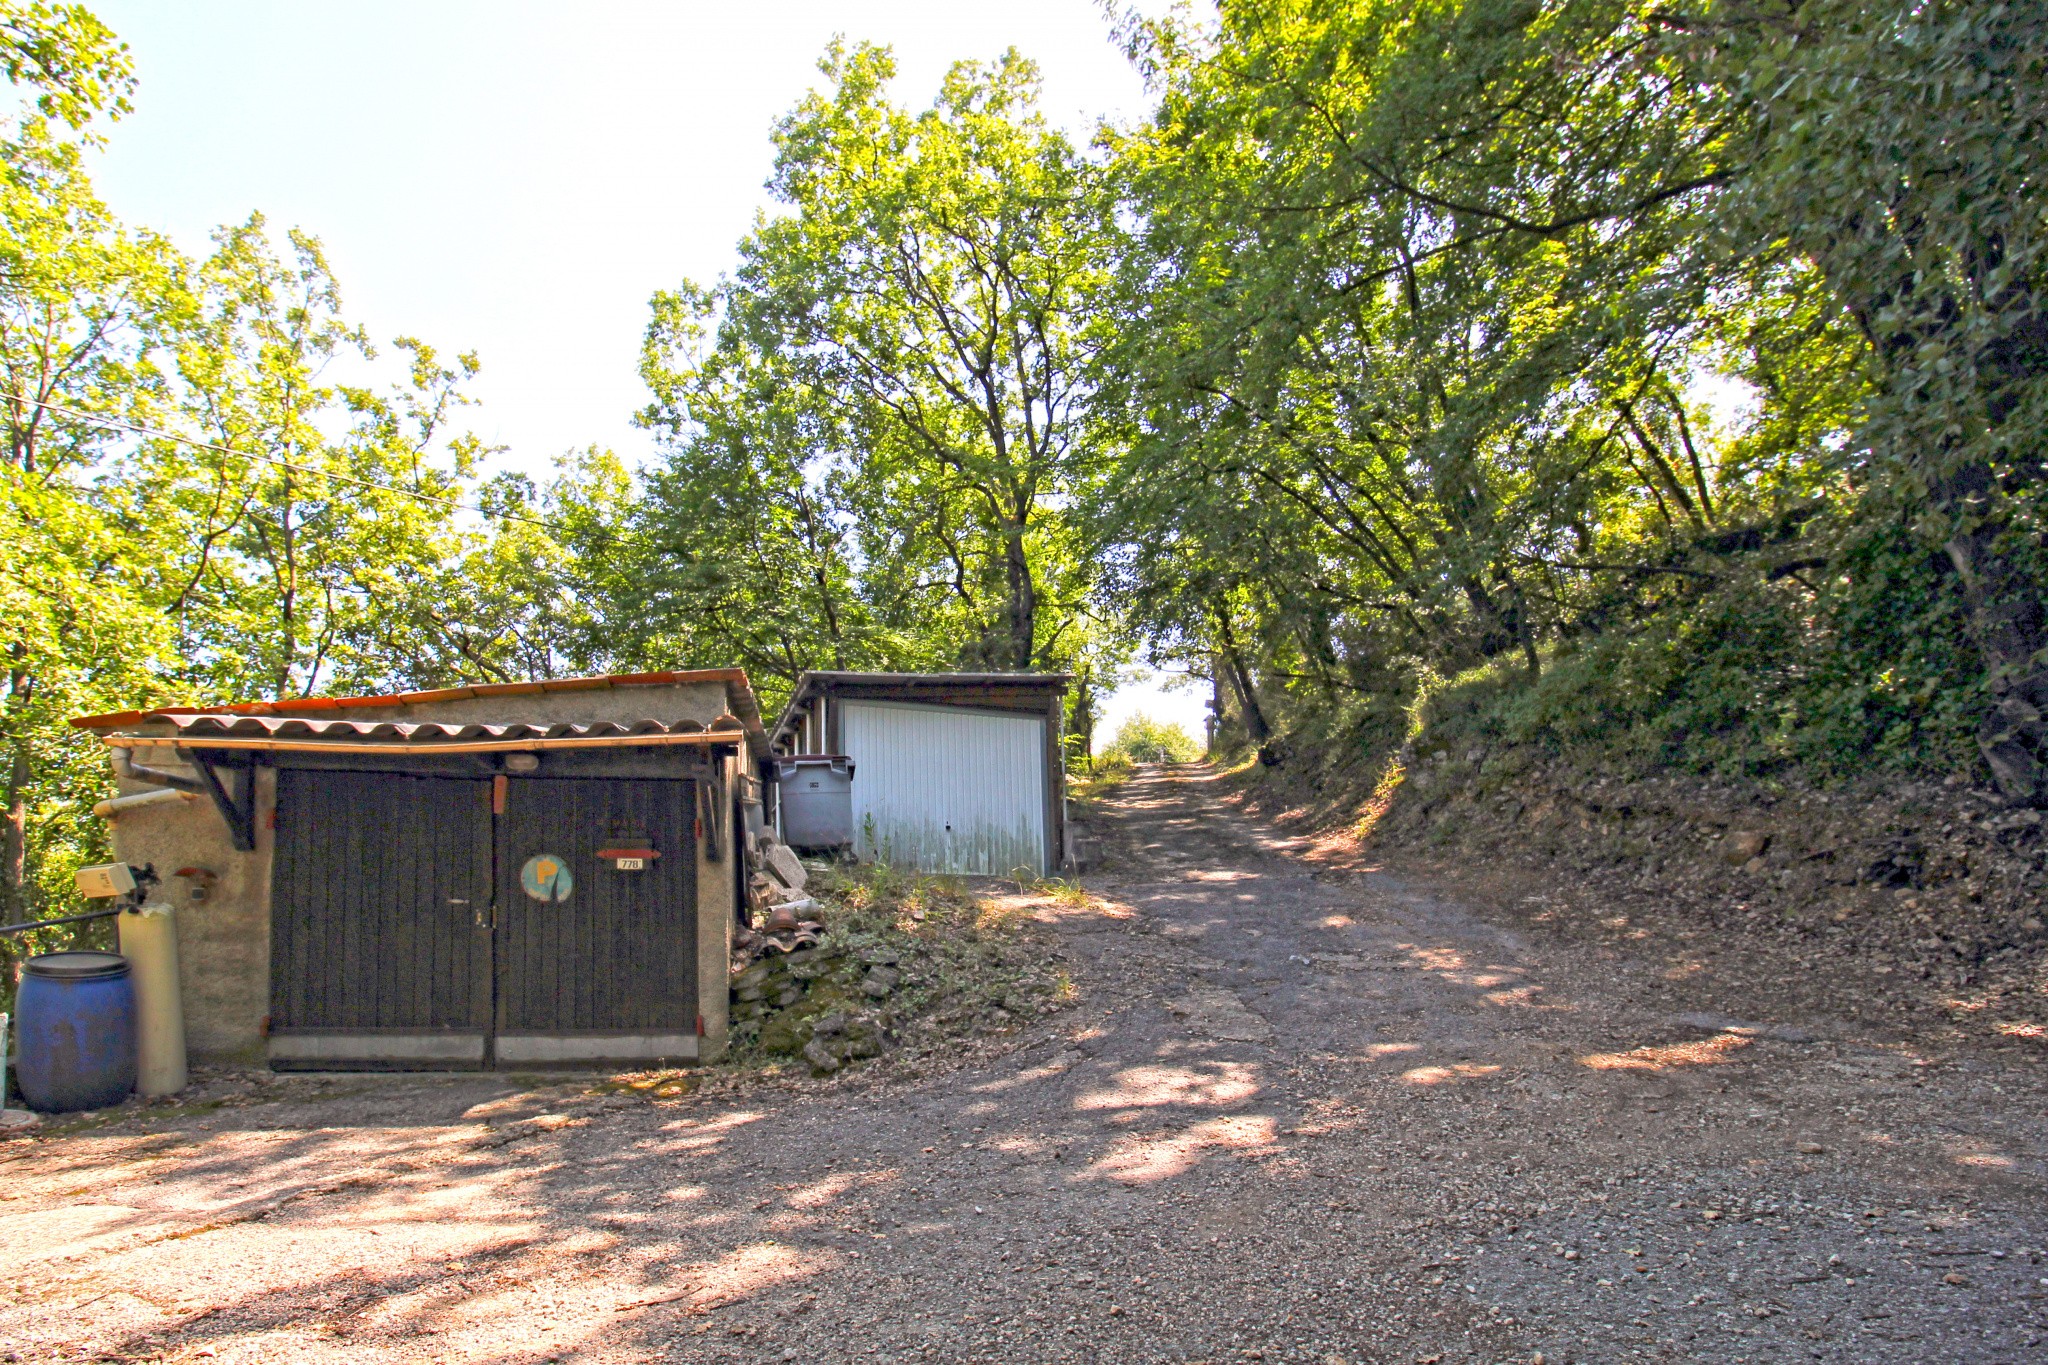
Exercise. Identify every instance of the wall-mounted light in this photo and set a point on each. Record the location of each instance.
(522, 763)
(106, 879)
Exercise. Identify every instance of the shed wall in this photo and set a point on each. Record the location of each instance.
(224, 940)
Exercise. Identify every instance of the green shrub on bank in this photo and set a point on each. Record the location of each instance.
(1141, 739)
(1860, 666)
(1866, 670)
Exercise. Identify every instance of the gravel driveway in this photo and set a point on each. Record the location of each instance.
(1303, 1112)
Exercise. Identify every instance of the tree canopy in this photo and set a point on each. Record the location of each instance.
(886, 400)
(1427, 306)
(1675, 375)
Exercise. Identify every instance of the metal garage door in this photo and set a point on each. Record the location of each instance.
(944, 789)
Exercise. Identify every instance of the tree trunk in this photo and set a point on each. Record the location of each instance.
(1517, 618)
(14, 838)
(1496, 632)
(2008, 620)
(2006, 625)
(1084, 714)
(1023, 601)
(1255, 727)
(1215, 716)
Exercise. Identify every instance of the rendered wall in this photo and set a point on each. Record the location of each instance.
(223, 940)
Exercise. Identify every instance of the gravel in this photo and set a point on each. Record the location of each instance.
(1301, 1112)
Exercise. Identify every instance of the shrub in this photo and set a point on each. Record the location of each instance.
(1142, 739)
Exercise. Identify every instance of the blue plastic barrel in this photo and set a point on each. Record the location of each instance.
(74, 1039)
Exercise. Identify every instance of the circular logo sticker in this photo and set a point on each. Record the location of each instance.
(546, 877)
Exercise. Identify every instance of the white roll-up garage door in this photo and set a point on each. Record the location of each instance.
(943, 789)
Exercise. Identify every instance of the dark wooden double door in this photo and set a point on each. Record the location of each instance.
(402, 935)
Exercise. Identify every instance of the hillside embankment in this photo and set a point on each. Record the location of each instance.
(1915, 906)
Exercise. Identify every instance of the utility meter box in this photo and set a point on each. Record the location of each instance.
(815, 795)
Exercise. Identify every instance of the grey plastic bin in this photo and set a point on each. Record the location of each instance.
(816, 796)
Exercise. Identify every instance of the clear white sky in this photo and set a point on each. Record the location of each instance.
(1171, 697)
(517, 178)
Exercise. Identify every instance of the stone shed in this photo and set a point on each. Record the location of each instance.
(515, 875)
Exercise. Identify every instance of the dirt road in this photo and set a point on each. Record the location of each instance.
(1300, 1114)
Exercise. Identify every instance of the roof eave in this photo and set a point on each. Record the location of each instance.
(812, 681)
(739, 694)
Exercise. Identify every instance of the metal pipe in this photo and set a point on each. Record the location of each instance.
(61, 919)
(125, 766)
(105, 809)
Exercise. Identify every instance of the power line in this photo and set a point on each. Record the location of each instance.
(118, 425)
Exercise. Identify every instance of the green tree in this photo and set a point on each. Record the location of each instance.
(1431, 313)
(1419, 303)
(1901, 148)
(316, 515)
(81, 303)
(742, 549)
(85, 307)
(1142, 739)
(74, 64)
(892, 382)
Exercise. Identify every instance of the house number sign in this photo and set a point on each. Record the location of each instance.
(546, 877)
(631, 854)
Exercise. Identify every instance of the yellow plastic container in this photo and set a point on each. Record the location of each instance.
(149, 940)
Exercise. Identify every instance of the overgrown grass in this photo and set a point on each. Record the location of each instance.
(1061, 891)
(1106, 772)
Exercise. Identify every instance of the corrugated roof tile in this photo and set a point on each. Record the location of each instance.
(739, 692)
